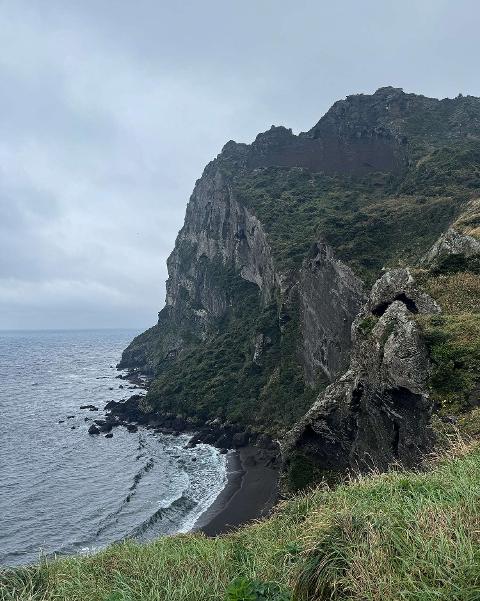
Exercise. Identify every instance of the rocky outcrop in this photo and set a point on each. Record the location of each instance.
(399, 285)
(378, 412)
(330, 298)
(451, 243)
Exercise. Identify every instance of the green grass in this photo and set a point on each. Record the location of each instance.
(391, 537)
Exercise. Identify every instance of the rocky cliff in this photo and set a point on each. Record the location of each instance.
(268, 297)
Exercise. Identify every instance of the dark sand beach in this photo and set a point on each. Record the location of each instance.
(250, 493)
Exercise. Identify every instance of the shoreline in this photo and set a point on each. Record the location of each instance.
(252, 486)
(250, 493)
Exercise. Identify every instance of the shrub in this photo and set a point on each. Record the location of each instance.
(246, 589)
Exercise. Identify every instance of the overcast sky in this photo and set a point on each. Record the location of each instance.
(110, 109)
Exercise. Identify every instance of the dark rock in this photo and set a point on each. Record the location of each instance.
(91, 407)
(61, 421)
(369, 417)
(70, 416)
(73, 427)
(326, 319)
(105, 425)
(240, 439)
(93, 429)
(121, 386)
(109, 435)
(132, 428)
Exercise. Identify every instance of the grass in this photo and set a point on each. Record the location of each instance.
(392, 537)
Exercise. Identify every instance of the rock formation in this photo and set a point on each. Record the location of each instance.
(268, 296)
(378, 412)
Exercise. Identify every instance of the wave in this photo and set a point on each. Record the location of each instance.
(182, 505)
(112, 518)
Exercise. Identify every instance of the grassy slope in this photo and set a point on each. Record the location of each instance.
(393, 537)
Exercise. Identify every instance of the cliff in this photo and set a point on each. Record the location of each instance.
(268, 301)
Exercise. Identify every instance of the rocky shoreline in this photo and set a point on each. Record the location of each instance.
(253, 468)
(224, 436)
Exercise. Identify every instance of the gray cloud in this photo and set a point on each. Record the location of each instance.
(110, 109)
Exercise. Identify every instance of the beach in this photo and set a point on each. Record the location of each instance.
(250, 493)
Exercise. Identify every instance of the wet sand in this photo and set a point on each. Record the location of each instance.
(250, 493)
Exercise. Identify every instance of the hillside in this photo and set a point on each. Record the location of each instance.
(290, 246)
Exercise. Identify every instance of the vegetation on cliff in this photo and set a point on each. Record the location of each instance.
(391, 537)
(379, 179)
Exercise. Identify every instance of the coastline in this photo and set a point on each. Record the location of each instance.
(250, 493)
(253, 463)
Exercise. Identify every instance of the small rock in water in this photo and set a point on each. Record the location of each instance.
(109, 435)
(61, 421)
(91, 407)
(121, 386)
(110, 388)
(93, 429)
(70, 416)
(132, 428)
(73, 427)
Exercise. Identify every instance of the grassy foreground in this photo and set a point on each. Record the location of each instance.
(390, 537)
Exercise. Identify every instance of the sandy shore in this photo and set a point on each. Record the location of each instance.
(250, 493)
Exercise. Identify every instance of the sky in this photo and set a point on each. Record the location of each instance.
(110, 109)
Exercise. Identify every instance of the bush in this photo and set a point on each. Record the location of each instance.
(246, 589)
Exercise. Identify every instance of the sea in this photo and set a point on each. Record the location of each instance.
(63, 491)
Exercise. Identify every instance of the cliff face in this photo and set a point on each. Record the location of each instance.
(219, 236)
(378, 412)
(282, 240)
(330, 298)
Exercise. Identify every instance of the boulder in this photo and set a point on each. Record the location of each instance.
(451, 243)
(93, 429)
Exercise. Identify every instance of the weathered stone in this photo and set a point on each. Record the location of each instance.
(331, 296)
(451, 243)
(398, 284)
(378, 412)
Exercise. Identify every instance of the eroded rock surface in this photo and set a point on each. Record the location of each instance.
(331, 297)
(451, 243)
(378, 412)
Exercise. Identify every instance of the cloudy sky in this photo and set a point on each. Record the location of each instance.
(109, 110)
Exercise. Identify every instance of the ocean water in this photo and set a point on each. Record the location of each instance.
(63, 491)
